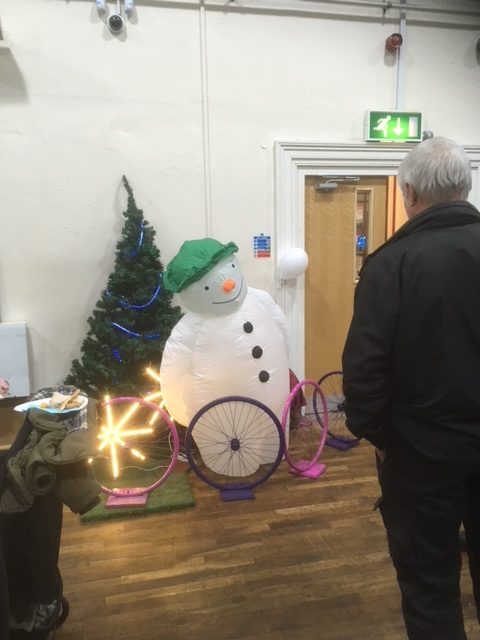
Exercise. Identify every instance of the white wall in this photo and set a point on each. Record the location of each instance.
(188, 104)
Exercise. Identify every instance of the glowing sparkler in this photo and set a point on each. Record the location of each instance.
(158, 394)
(117, 434)
(114, 435)
(153, 374)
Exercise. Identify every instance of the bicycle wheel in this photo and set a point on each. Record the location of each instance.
(234, 444)
(332, 386)
(308, 428)
(141, 447)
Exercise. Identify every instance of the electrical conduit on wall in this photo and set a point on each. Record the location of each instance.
(207, 176)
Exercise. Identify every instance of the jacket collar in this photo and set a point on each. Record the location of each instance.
(449, 214)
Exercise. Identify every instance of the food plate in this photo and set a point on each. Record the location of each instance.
(36, 404)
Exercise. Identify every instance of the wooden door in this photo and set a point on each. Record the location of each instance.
(331, 229)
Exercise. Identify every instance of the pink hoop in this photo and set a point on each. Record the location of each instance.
(306, 465)
(176, 447)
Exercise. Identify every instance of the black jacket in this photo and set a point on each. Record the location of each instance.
(411, 363)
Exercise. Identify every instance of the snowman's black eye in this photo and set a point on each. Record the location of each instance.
(233, 266)
(207, 288)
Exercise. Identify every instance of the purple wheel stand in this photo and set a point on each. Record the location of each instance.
(231, 495)
(342, 445)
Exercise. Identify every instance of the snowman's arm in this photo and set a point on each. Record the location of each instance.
(179, 347)
(176, 365)
(275, 312)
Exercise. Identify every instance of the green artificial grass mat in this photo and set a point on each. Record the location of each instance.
(174, 493)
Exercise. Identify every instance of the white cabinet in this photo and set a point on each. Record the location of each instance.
(14, 357)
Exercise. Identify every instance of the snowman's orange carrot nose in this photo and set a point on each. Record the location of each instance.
(229, 285)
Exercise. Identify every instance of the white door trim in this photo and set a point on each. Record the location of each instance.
(296, 160)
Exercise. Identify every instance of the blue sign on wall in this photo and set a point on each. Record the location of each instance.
(262, 246)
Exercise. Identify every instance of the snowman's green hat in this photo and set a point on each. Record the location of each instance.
(194, 259)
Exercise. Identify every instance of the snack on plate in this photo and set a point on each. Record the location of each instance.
(61, 402)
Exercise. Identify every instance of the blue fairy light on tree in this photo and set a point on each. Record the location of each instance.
(133, 318)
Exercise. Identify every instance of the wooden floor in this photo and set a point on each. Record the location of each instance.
(304, 560)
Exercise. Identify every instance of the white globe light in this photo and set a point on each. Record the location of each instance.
(292, 263)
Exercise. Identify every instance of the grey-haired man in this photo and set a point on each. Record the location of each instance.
(411, 370)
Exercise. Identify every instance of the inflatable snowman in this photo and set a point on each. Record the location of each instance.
(231, 341)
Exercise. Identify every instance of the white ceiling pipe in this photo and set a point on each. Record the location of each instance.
(386, 5)
(293, 5)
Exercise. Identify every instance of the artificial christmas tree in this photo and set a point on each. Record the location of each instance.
(131, 321)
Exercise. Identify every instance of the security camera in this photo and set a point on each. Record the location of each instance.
(116, 23)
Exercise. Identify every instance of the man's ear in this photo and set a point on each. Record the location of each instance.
(410, 194)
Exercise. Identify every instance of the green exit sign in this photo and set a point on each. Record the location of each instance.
(394, 126)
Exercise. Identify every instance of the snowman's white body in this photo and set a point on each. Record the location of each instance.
(209, 356)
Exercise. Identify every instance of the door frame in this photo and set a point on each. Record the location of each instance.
(293, 162)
